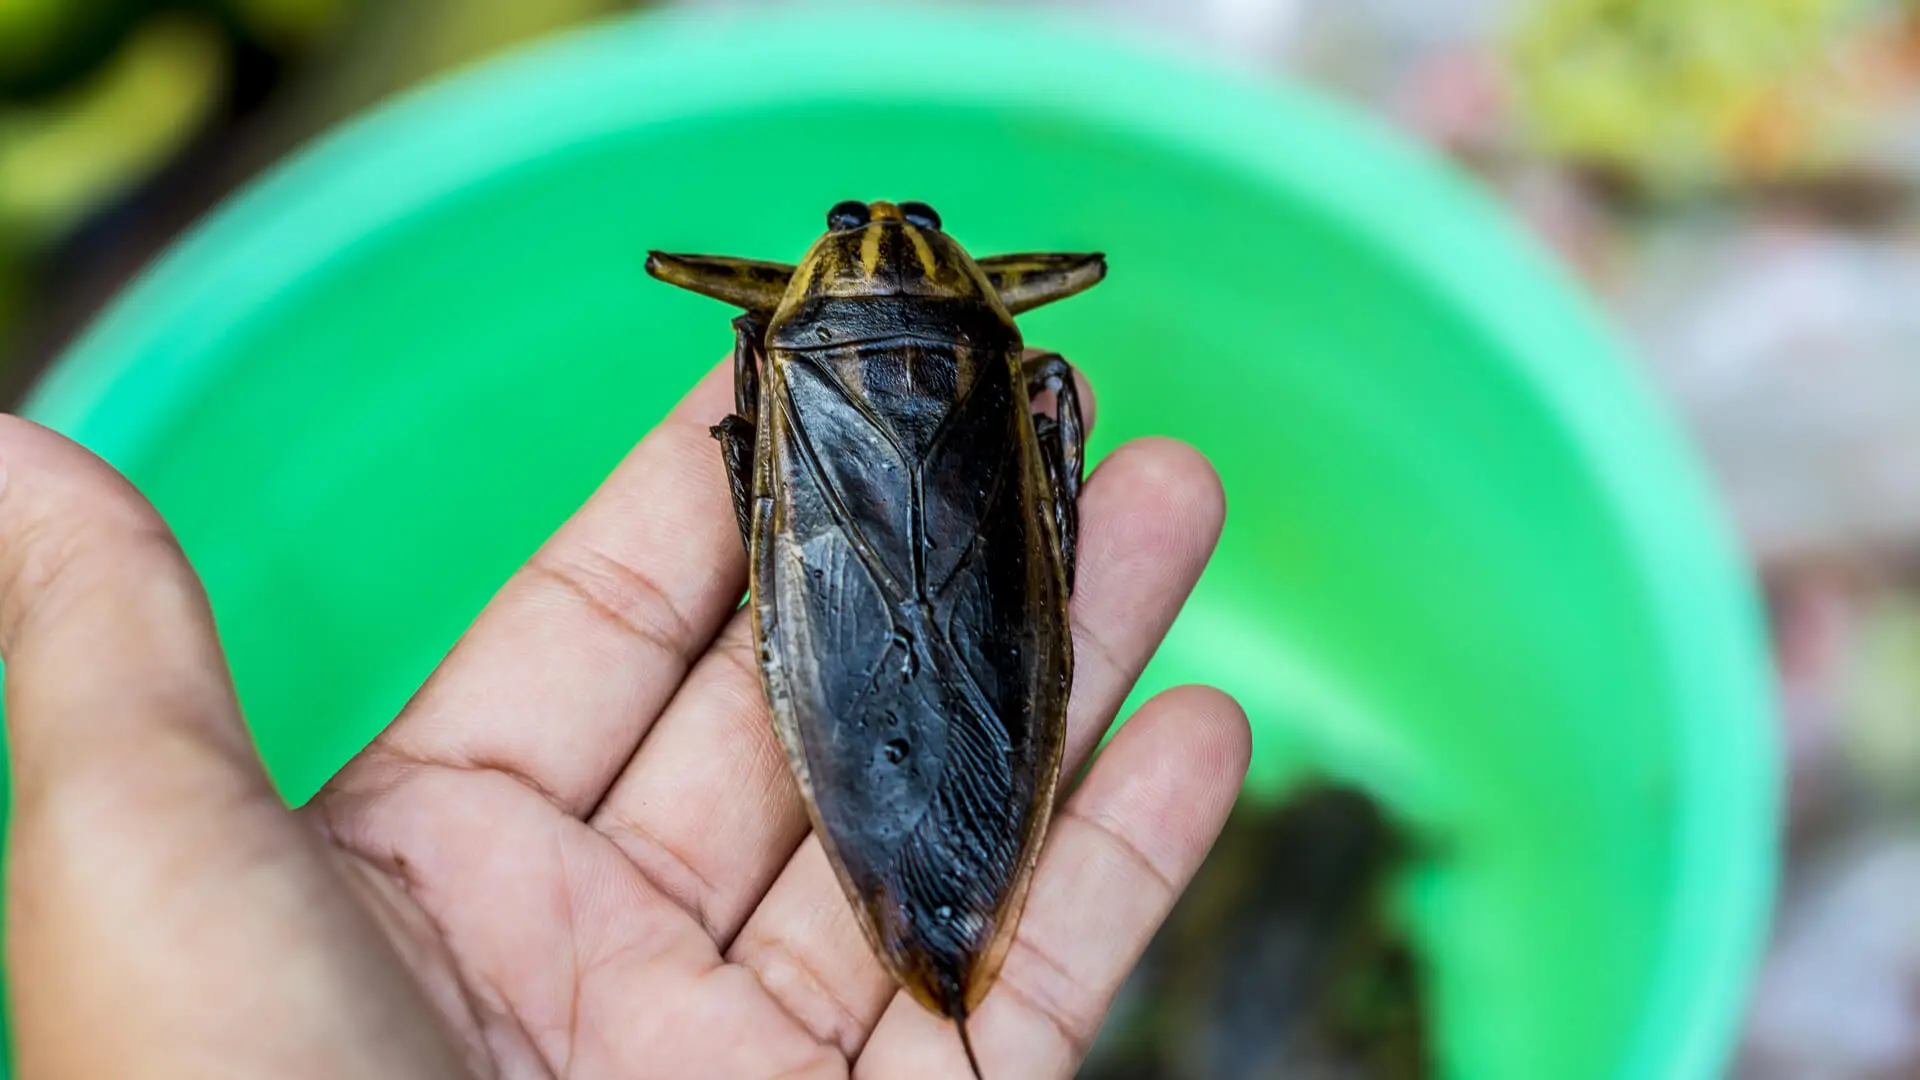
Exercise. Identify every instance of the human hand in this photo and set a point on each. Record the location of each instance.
(578, 851)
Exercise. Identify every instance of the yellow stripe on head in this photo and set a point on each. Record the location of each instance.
(922, 249)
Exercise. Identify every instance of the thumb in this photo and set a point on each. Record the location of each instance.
(166, 915)
(128, 757)
(116, 687)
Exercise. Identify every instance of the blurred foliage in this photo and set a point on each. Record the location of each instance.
(97, 97)
(63, 155)
(44, 44)
(10, 285)
(104, 101)
(1683, 92)
(288, 24)
(398, 43)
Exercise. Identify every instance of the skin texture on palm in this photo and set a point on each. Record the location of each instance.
(578, 851)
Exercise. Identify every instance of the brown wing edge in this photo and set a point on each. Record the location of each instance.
(986, 968)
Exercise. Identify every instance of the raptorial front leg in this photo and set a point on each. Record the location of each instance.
(1063, 439)
(736, 432)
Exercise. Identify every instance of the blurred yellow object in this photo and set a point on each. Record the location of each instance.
(62, 158)
(1686, 91)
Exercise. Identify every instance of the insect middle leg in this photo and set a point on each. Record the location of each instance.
(1063, 439)
(736, 432)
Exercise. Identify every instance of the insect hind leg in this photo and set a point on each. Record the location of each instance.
(1063, 440)
(737, 432)
(736, 450)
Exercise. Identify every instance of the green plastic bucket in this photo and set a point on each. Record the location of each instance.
(1467, 561)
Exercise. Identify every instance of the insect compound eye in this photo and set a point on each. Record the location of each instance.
(847, 215)
(920, 214)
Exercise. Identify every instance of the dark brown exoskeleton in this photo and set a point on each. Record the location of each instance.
(909, 522)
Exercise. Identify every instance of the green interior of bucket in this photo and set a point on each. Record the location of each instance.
(1466, 562)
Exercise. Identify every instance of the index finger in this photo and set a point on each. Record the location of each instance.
(559, 678)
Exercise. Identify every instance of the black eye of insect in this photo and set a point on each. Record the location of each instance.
(919, 213)
(847, 215)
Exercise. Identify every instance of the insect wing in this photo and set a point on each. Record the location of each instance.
(914, 618)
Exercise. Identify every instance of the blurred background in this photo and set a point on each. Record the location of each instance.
(1736, 180)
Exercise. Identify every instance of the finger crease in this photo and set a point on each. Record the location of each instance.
(520, 776)
(743, 660)
(809, 1070)
(1056, 970)
(670, 871)
(475, 1010)
(396, 754)
(1086, 639)
(624, 597)
(1075, 1032)
(1126, 847)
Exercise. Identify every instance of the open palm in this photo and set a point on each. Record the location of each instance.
(578, 851)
